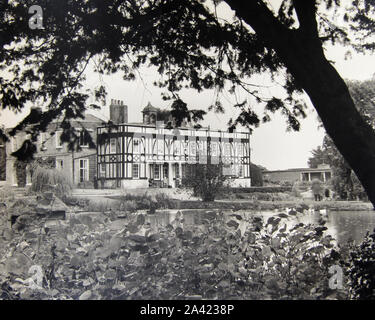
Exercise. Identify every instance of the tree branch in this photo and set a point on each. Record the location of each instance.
(306, 13)
(257, 15)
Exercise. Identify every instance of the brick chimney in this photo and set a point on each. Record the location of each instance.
(118, 111)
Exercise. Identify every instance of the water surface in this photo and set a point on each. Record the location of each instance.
(342, 225)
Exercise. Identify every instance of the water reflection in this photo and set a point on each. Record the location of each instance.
(342, 225)
(351, 225)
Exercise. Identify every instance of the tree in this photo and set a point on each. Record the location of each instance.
(319, 156)
(256, 175)
(207, 180)
(344, 181)
(191, 47)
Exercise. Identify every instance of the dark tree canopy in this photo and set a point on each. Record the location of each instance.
(318, 157)
(191, 46)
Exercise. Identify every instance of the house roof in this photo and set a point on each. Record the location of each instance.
(149, 107)
(87, 118)
(299, 170)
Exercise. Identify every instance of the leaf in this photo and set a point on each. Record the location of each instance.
(233, 224)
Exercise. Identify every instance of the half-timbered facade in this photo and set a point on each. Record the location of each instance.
(142, 155)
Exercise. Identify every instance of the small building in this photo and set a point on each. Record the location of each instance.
(323, 173)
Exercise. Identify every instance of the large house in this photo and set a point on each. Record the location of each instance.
(132, 155)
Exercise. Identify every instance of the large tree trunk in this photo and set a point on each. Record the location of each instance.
(352, 135)
(302, 52)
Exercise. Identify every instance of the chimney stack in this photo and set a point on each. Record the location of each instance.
(118, 111)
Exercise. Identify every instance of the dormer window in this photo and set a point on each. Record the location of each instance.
(84, 138)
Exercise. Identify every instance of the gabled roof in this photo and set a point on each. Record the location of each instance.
(87, 118)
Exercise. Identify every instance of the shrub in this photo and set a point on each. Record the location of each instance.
(20, 168)
(6, 194)
(207, 181)
(220, 256)
(163, 201)
(362, 269)
(263, 189)
(45, 179)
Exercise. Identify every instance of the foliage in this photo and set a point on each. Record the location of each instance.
(2, 161)
(185, 40)
(207, 180)
(345, 182)
(20, 168)
(191, 46)
(44, 179)
(256, 175)
(145, 201)
(319, 156)
(361, 269)
(6, 194)
(264, 196)
(300, 186)
(263, 189)
(219, 256)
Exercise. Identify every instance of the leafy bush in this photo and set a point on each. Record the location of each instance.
(6, 194)
(262, 189)
(44, 179)
(256, 175)
(362, 269)
(163, 201)
(220, 256)
(20, 168)
(207, 181)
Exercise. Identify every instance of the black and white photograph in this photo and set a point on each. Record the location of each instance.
(208, 151)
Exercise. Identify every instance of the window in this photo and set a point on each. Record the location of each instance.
(240, 149)
(160, 145)
(240, 170)
(176, 147)
(136, 145)
(177, 170)
(83, 170)
(58, 139)
(201, 148)
(156, 172)
(183, 170)
(214, 149)
(193, 148)
(102, 170)
(84, 138)
(227, 149)
(59, 164)
(112, 146)
(135, 170)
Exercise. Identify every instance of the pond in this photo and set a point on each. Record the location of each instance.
(342, 225)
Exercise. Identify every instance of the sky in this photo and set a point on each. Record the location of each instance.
(271, 145)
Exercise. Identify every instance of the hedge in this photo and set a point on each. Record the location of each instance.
(263, 189)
